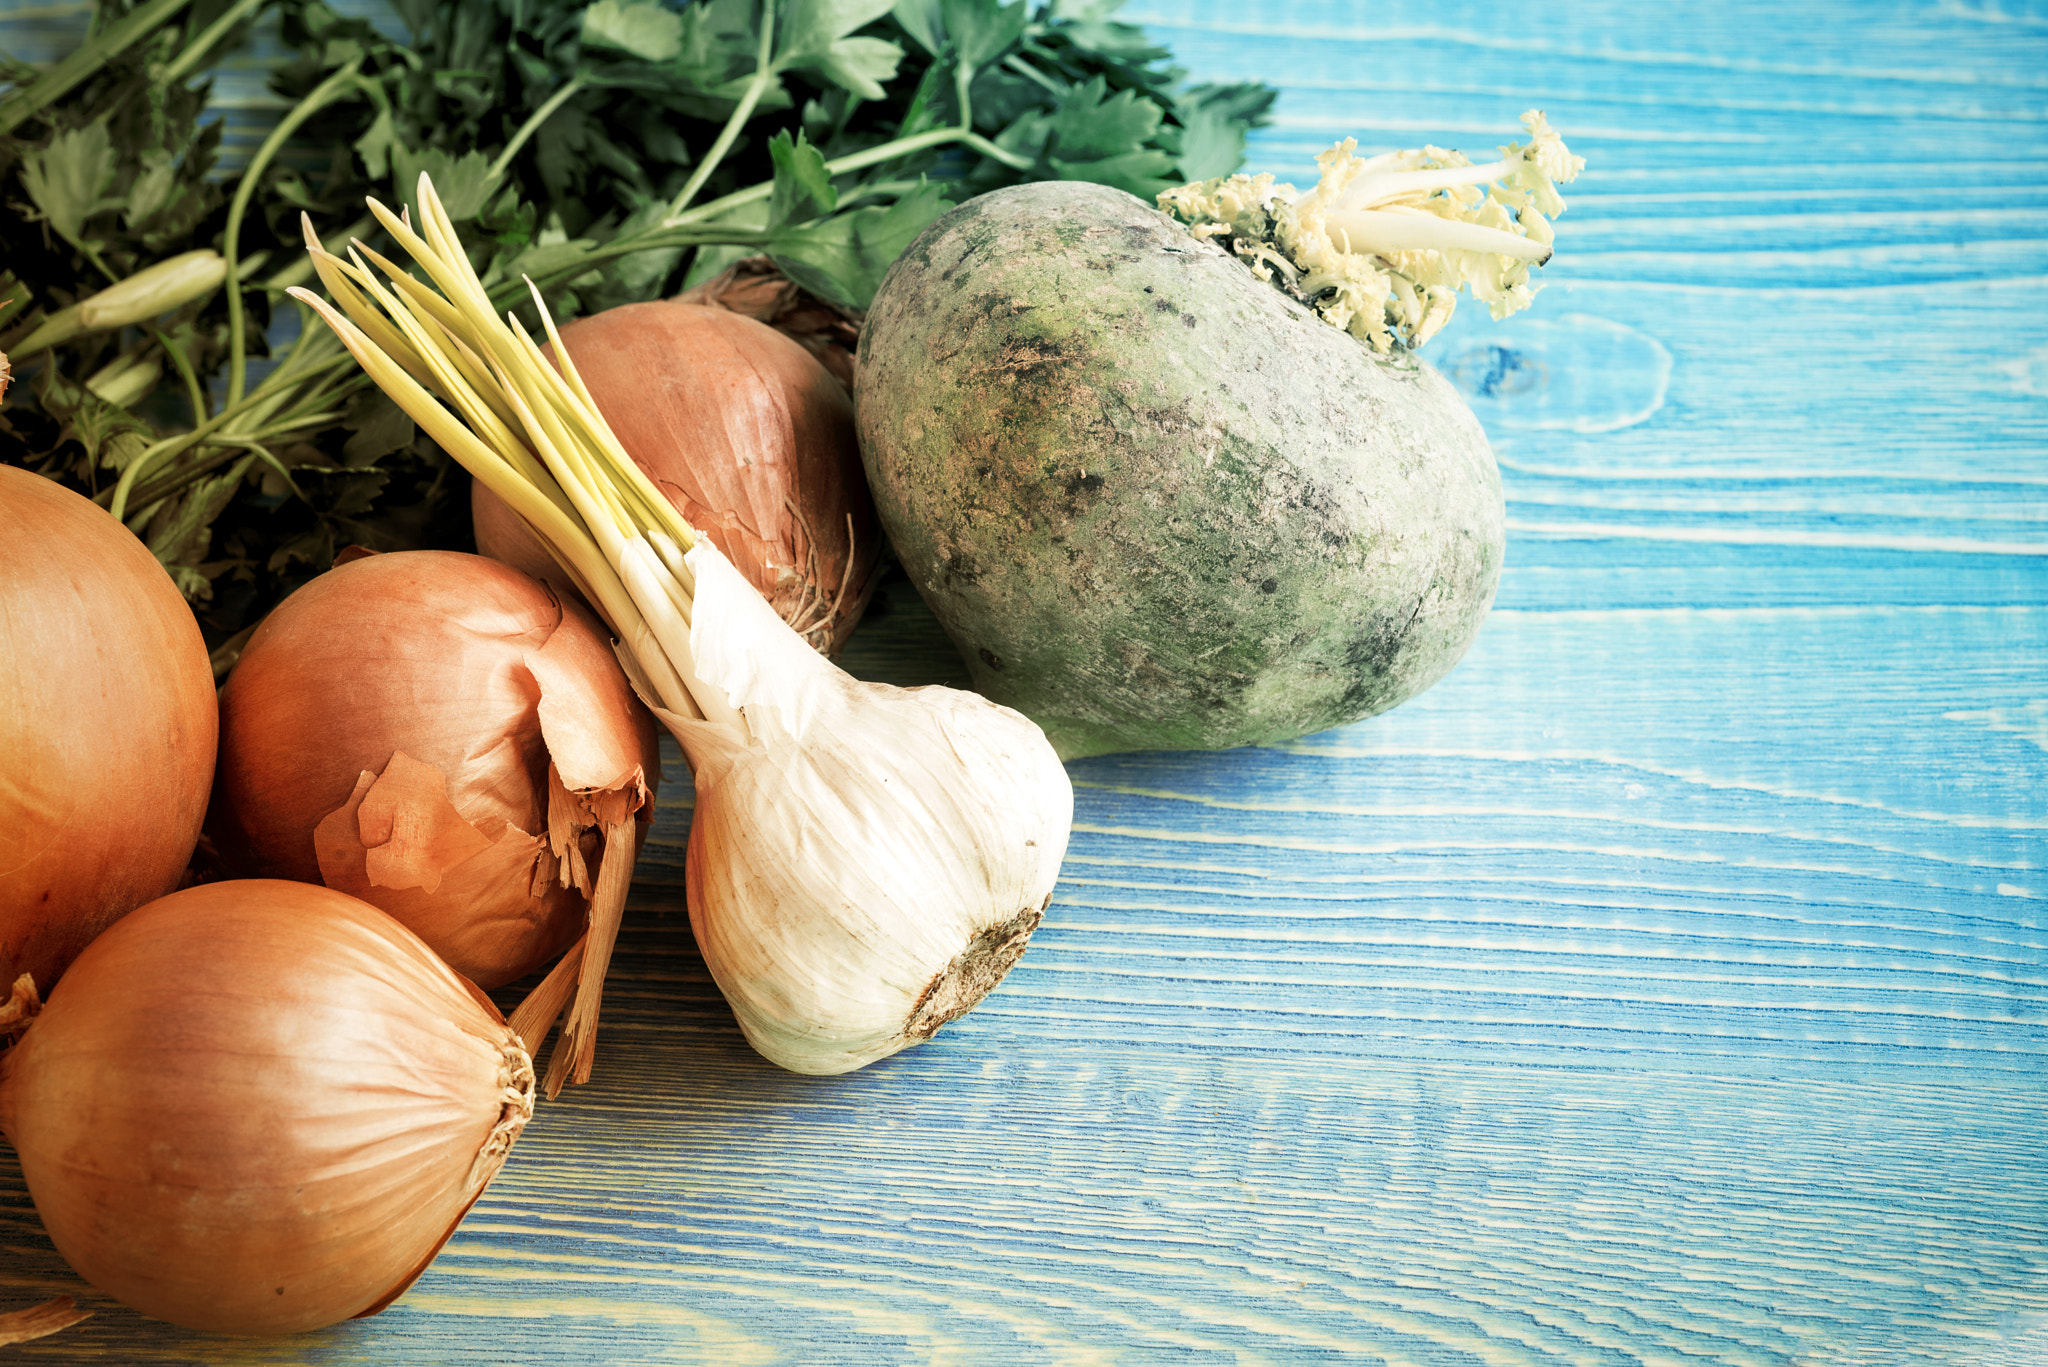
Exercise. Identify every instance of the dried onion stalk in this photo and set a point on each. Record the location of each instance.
(260, 1107)
(40, 1321)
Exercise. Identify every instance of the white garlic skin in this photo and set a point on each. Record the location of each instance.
(869, 861)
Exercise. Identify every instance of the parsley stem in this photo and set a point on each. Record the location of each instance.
(96, 52)
(963, 77)
(202, 47)
(854, 161)
(764, 76)
(1031, 73)
(194, 390)
(322, 95)
(254, 410)
(505, 291)
(532, 126)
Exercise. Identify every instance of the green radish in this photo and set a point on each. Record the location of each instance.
(1156, 498)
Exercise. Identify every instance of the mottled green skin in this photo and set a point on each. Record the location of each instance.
(1156, 503)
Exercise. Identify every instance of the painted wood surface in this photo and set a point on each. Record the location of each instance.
(1669, 985)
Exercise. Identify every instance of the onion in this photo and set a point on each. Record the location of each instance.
(437, 734)
(752, 440)
(107, 726)
(260, 1107)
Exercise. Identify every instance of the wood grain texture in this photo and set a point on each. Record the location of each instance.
(1669, 985)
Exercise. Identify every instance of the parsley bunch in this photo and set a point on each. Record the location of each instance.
(612, 151)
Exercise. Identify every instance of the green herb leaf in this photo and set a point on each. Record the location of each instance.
(648, 31)
(860, 65)
(377, 427)
(1143, 173)
(844, 258)
(922, 21)
(803, 190)
(982, 30)
(67, 178)
(1091, 124)
(814, 39)
(151, 190)
(1086, 24)
(1211, 144)
(809, 28)
(465, 183)
(376, 144)
(181, 529)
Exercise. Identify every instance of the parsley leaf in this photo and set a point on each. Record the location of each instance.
(647, 31)
(844, 258)
(67, 178)
(803, 190)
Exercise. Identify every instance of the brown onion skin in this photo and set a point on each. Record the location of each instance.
(419, 652)
(107, 726)
(728, 417)
(258, 1107)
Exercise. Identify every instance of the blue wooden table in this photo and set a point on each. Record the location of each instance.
(1669, 985)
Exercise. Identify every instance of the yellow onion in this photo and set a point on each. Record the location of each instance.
(443, 737)
(107, 726)
(752, 440)
(260, 1107)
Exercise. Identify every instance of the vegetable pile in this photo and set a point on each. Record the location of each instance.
(865, 862)
(1170, 476)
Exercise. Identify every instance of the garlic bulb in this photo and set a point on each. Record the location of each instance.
(869, 861)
